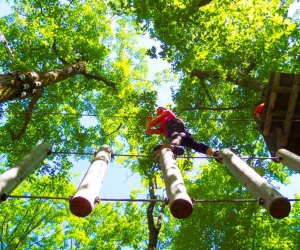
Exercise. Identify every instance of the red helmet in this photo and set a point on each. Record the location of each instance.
(258, 110)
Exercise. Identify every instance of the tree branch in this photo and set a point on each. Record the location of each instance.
(100, 78)
(80, 92)
(160, 217)
(204, 2)
(34, 224)
(12, 85)
(206, 90)
(28, 115)
(243, 80)
(3, 39)
(118, 128)
(14, 232)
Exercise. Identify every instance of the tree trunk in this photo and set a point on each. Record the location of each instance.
(23, 85)
(153, 229)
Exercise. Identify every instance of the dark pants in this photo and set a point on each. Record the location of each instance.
(176, 130)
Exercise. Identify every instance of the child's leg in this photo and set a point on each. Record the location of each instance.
(189, 141)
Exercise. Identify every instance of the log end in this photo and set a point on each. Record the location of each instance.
(80, 206)
(181, 208)
(280, 208)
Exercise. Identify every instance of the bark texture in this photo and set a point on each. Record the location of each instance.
(24, 85)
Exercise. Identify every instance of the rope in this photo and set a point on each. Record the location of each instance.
(132, 155)
(4, 197)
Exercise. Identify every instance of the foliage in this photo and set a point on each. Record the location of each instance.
(46, 35)
(231, 225)
(223, 52)
(49, 224)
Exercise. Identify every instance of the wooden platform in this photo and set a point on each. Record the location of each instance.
(280, 121)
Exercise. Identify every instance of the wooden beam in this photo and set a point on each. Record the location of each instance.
(11, 178)
(282, 114)
(277, 205)
(289, 159)
(82, 203)
(283, 90)
(280, 142)
(295, 135)
(290, 110)
(180, 203)
(271, 104)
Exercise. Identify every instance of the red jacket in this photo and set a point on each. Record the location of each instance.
(169, 115)
(161, 119)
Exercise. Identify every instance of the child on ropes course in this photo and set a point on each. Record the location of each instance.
(173, 128)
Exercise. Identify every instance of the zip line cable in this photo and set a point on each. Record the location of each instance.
(134, 116)
(4, 197)
(133, 155)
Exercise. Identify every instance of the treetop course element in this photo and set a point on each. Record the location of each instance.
(277, 205)
(181, 205)
(11, 178)
(82, 203)
(278, 122)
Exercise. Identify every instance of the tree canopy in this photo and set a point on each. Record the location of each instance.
(72, 73)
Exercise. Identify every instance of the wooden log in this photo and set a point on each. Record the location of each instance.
(180, 203)
(289, 159)
(276, 204)
(11, 178)
(82, 203)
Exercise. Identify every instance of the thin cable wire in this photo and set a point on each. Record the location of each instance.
(70, 114)
(132, 200)
(225, 201)
(144, 200)
(133, 155)
(134, 116)
(35, 197)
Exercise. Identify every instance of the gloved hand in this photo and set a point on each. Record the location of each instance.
(217, 156)
(177, 150)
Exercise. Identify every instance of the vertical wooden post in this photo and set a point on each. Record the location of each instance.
(181, 205)
(11, 178)
(289, 159)
(82, 203)
(277, 205)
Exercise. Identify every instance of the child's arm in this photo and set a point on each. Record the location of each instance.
(157, 119)
(149, 128)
